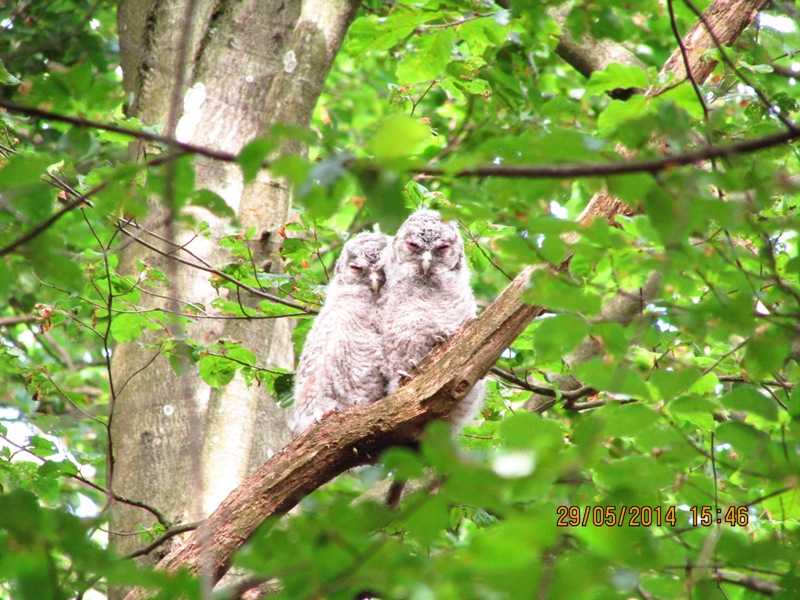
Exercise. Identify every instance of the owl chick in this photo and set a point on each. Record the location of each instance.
(428, 298)
(341, 363)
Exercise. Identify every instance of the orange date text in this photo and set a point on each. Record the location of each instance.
(615, 516)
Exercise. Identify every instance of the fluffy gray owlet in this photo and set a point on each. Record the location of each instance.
(342, 360)
(428, 298)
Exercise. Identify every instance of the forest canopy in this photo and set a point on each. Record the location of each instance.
(176, 183)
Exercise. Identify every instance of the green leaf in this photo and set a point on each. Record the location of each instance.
(294, 168)
(744, 440)
(616, 76)
(398, 136)
(240, 354)
(625, 420)
(558, 336)
(51, 468)
(426, 521)
(19, 512)
(213, 202)
(403, 464)
(554, 293)
(615, 378)
(385, 197)
(631, 188)
(316, 192)
(181, 357)
(671, 383)
(430, 59)
(283, 386)
(618, 113)
(525, 430)
(127, 327)
(372, 33)
(54, 263)
(7, 78)
(253, 157)
(632, 472)
(695, 410)
(766, 352)
(747, 400)
(18, 171)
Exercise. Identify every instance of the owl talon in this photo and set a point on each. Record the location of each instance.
(403, 376)
(439, 339)
(328, 413)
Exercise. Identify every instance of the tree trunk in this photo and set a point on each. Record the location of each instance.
(178, 445)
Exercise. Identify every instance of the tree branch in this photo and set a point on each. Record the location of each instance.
(588, 55)
(598, 169)
(164, 538)
(622, 308)
(727, 19)
(133, 133)
(76, 202)
(9, 321)
(357, 436)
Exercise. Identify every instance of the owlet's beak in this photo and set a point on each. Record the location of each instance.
(426, 261)
(374, 282)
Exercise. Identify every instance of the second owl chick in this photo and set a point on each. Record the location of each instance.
(342, 360)
(428, 298)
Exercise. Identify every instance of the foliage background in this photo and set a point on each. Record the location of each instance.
(696, 401)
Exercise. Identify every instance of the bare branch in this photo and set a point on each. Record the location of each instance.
(9, 321)
(133, 133)
(123, 225)
(588, 55)
(76, 202)
(598, 169)
(166, 536)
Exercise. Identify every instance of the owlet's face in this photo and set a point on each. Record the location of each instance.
(361, 261)
(428, 245)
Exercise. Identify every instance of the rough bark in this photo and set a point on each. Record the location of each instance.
(727, 19)
(177, 444)
(588, 55)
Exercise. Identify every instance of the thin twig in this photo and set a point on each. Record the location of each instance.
(686, 62)
(9, 321)
(415, 103)
(72, 205)
(568, 395)
(600, 169)
(167, 535)
(457, 23)
(133, 133)
(486, 255)
(222, 275)
(155, 512)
